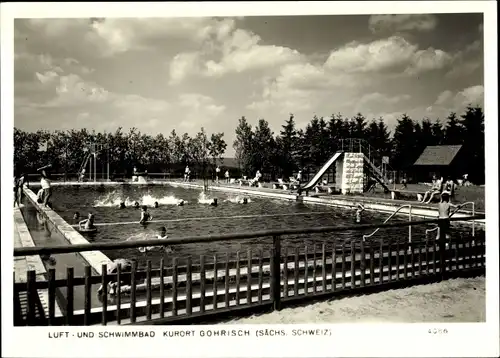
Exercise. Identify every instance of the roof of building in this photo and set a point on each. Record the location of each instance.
(438, 155)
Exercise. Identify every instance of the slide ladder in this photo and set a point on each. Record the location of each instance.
(389, 218)
(376, 173)
(84, 163)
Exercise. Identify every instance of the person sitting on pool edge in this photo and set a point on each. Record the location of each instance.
(87, 224)
(436, 189)
(145, 215)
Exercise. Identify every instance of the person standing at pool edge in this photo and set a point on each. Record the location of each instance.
(444, 208)
(45, 183)
(217, 173)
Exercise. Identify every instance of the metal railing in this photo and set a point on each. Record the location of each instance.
(267, 277)
(454, 212)
(389, 218)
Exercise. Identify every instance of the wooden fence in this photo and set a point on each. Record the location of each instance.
(181, 291)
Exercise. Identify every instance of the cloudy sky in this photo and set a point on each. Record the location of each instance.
(184, 73)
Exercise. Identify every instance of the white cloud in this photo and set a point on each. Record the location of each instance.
(449, 101)
(47, 77)
(226, 50)
(392, 54)
(444, 97)
(378, 97)
(428, 60)
(403, 22)
(471, 95)
(182, 65)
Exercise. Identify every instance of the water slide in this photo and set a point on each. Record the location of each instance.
(322, 171)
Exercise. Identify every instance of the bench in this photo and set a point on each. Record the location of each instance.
(285, 185)
(330, 189)
(400, 194)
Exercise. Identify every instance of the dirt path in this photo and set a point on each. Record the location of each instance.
(458, 300)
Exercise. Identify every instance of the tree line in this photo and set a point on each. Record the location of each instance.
(307, 149)
(256, 148)
(66, 150)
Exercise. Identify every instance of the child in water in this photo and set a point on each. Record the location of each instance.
(87, 224)
(145, 215)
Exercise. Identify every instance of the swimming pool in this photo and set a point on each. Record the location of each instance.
(198, 218)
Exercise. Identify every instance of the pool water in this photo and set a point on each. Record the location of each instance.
(197, 218)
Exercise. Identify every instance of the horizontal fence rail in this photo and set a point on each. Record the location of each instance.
(194, 289)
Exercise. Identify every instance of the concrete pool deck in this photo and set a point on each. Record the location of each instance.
(94, 258)
(23, 264)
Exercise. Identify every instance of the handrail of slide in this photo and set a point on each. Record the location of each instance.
(454, 212)
(386, 220)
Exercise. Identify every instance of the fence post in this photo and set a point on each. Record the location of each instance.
(473, 220)
(442, 223)
(409, 227)
(276, 273)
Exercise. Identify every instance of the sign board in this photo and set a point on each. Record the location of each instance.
(385, 159)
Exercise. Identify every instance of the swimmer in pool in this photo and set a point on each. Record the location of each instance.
(243, 201)
(214, 202)
(162, 235)
(156, 205)
(122, 205)
(359, 211)
(180, 203)
(145, 215)
(76, 216)
(136, 205)
(87, 224)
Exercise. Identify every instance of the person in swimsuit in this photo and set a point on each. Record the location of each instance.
(45, 183)
(87, 224)
(359, 210)
(436, 189)
(444, 209)
(145, 215)
(162, 235)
